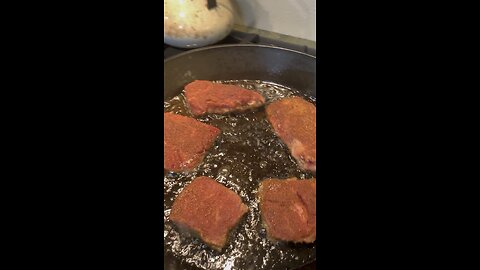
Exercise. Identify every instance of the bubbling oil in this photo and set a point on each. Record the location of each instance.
(246, 152)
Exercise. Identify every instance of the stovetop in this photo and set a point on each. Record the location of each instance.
(239, 37)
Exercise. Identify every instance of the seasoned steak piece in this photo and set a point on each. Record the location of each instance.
(185, 142)
(288, 209)
(209, 209)
(294, 120)
(205, 97)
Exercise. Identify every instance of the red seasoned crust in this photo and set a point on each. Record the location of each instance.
(209, 209)
(288, 209)
(205, 97)
(185, 142)
(294, 120)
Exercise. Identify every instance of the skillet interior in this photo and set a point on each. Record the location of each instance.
(241, 62)
(238, 62)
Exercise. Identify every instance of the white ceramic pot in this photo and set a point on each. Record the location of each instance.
(190, 24)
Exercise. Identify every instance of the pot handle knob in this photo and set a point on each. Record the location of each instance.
(211, 4)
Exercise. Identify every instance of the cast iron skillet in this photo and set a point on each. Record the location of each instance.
(242, 62)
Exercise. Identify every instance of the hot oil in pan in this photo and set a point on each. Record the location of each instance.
(245, 153)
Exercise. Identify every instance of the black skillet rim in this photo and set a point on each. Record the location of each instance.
(236, 46)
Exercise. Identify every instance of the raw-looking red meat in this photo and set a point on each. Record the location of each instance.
(185, 142)
(294, 120)
(209, 209)
(288, 209)
(205, 97)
